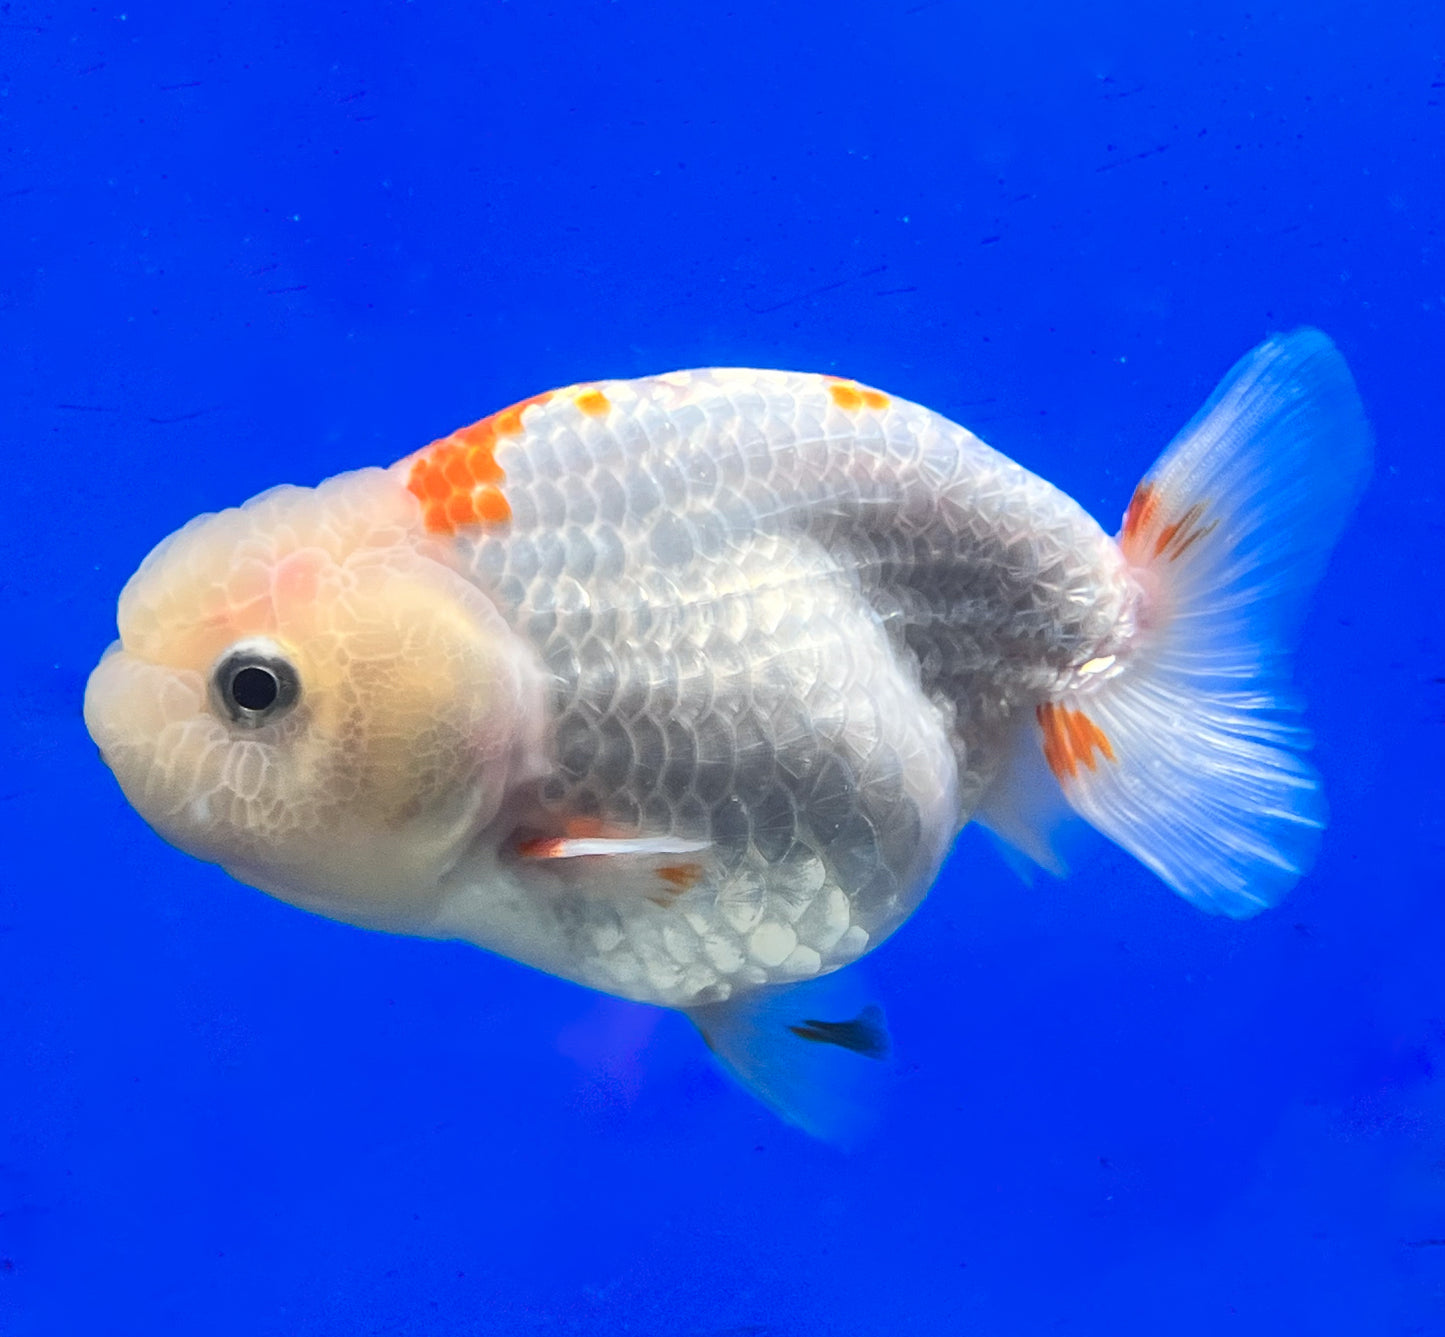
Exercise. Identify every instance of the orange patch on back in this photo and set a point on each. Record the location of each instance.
(457, 478)
(850, 396)
(509, 421)
(593, 403)
(1071, 739)
(490, 507)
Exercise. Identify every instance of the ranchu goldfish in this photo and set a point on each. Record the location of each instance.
(682, 688)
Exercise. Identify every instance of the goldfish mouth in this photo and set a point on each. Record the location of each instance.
(129, 704)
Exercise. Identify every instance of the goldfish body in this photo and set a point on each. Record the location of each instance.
(683, 687)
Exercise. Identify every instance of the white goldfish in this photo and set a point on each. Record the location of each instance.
(683, 687)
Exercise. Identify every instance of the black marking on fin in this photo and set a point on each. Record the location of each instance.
(865, 1034)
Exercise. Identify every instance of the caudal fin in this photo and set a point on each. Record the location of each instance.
(1186, 750)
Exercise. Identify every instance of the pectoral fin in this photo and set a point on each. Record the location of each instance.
(659, 868)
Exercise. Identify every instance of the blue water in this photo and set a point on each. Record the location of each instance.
(285, 240)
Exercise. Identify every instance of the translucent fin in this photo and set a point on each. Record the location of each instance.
(814, 1053)
(1024, 809)
(579, 847)
(661, 869)
(1184, 751)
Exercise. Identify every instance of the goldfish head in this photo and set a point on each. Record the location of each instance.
(307, 693)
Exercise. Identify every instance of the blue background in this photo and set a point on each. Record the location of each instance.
(267, 242)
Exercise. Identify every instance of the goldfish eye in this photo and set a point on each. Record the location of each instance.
(255, 684)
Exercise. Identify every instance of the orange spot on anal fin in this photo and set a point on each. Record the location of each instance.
(1071, 740)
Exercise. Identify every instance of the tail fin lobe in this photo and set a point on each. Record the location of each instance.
(1186, 751)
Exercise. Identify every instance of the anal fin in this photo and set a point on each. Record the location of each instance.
(815, 1053)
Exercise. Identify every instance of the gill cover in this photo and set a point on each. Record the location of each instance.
(307, 693)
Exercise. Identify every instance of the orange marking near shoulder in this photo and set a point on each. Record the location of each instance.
(490, 507)
(594, 403)
(483, 466)
(457, 477)
(509, 421)
(1071, 739)
(460, 510)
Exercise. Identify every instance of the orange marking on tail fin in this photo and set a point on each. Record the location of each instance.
(1054, 753)
(1142, 508)
(1144, 537)
(457, 477)
(1071, 739)
(1176, 539)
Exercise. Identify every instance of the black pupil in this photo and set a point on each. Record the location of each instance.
(254, 688)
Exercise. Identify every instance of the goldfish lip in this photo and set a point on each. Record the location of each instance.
(97, 689)
(126, 695)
